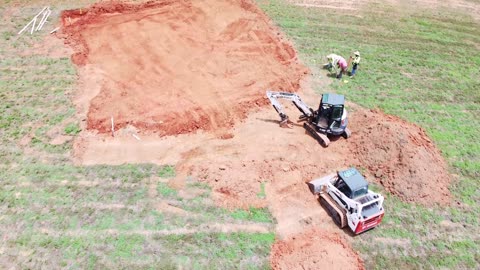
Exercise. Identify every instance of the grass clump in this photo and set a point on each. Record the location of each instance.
(72, 129)
(167, 171)
(253, 214)
(165, 191)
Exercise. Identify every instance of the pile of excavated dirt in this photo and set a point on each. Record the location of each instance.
(400, 156)
(314, 249)
(174, 67)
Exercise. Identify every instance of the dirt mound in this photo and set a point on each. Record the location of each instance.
(314, 249)
(174, 67)
(401, 157)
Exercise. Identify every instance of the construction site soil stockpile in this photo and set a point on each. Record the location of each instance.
(314, 249)
(174, 67)
(401, 157)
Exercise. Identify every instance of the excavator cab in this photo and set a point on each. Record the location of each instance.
(331, 116)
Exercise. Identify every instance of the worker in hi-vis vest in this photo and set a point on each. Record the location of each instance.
(355, 60)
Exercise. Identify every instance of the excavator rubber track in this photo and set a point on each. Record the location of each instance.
(321, 138)
(336, 212)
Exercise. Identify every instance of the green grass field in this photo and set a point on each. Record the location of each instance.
(424, 67)
(54, 214)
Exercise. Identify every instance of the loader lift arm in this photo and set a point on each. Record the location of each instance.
(296, 100)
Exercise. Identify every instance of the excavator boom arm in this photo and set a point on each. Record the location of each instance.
(297, 101)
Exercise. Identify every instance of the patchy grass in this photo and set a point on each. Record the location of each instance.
(167, 172)
(72, 129)
(262, 194)
(166, 191)
(192, 251)
(253, 214)
(425, 71)
(103, 217)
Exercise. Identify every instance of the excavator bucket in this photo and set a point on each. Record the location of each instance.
(286, 123)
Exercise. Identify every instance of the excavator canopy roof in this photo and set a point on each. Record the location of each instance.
(353, 178)
(333, 99)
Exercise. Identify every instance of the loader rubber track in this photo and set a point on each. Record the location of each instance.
(336, 212)
(321, 138)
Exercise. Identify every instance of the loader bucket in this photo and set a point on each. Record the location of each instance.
(317, 185)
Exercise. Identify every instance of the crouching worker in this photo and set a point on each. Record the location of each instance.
(342, 66)
(330, 60)
(336, 64)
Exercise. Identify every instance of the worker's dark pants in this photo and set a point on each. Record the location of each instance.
(354, 69)
(340, 74)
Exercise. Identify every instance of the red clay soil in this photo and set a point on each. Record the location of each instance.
(401, 157)
(314, 249)
(174, 67)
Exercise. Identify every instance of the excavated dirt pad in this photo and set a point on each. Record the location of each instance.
(314, 249)
(174, 67)
(398, 154)
(401, 156)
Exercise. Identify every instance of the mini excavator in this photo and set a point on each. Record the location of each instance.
(329, 119)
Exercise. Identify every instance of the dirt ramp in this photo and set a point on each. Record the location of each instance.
(401, 157)
(314, 249)
(174, 67)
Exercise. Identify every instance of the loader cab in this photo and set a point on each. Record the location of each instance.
(351, 183)
(330, 113)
